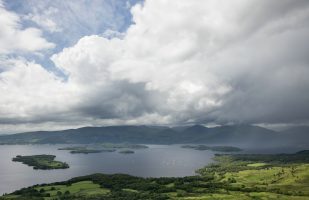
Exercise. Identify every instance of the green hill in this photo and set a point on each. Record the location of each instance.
(233, 135)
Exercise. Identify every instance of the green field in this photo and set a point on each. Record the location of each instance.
(82, 188)
(231, 177)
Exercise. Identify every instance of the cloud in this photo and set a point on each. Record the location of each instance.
(221, 63)
(44, 20)
(23, 84)
(179, 62)
(30, 93)
(109, 34)
(87, 67)
(14, 38)
(65, 22)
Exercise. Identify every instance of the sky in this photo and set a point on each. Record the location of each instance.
(75, 63)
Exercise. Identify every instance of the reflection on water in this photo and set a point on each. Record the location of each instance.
(156, 161)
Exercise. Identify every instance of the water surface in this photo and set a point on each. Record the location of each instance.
(156, 161)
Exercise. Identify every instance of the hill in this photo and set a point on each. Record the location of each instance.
(299, 132)
(243, 135)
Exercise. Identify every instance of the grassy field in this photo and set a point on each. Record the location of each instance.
(231, 177)
(82, 188)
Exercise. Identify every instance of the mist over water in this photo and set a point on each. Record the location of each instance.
(156, 161)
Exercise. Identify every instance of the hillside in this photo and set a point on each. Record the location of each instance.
(237, 134)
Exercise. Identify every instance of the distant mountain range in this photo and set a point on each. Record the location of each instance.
(242, 135)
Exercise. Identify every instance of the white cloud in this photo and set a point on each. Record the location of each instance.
(44, 19)
(13, 38)
(199, 61)
(109, 34)
(179, 62)
(86, 63)
(28, 92)
(65, 22)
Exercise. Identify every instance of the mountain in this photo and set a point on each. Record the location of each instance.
(298, 130)
(298, 136)
(242, 135)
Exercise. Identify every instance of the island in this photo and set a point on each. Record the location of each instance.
(232, 176)
(74, 148)
(124, 146)
(202, 147)
(126, 152)
(85, 150)
(43, 162)
(106, 147)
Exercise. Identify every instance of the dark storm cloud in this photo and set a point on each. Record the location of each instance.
(120, 100)
(225, 62)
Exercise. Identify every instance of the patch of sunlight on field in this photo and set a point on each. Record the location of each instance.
(129, 190)
(256, 164)
(82, 188)
(260, 176)
(244, 196)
